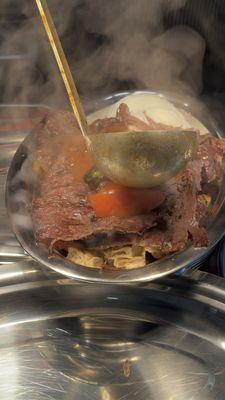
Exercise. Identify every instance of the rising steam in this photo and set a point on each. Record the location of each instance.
(111, 44)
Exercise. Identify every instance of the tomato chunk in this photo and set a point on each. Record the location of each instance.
(120, 201)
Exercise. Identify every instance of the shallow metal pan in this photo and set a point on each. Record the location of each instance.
(22, 223)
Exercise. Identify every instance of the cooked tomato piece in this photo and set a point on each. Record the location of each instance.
(120, 201)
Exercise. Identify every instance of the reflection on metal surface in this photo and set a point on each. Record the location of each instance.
(63, 340)
(23, 271)
(221, 257)
(16, 121)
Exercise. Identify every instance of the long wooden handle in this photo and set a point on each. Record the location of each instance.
(63, 65)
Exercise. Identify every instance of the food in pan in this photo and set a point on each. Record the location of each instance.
(79, 214)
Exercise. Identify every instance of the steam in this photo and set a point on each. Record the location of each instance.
(112, 46)
(27, 65)
(137, 49)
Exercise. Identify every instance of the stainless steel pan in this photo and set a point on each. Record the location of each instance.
(19, 193)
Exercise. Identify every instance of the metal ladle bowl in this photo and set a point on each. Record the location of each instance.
(142, 159)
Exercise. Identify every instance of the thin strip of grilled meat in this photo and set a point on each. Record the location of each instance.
(63, 217)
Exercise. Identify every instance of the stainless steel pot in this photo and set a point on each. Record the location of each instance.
(62, 340)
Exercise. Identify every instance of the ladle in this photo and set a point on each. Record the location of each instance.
(136, 159)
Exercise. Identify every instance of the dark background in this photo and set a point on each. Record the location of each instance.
(205, 16)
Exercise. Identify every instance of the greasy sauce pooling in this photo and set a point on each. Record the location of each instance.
(74, 147)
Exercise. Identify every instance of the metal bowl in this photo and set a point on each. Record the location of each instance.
(19, 194)
(62, 340)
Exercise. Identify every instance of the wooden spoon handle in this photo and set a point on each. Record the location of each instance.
(63, 65)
